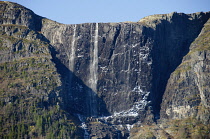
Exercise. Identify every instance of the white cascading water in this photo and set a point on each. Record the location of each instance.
(84, 126)
(93, 73)
(94, 67)
(72, 54)
(93, 78)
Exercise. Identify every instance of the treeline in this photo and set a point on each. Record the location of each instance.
(21, 118)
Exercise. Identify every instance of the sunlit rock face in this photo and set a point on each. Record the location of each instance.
(125, 65)
(123, 74)
(188, 86)
(113, 65)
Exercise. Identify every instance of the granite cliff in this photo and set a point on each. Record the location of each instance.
(103, 80)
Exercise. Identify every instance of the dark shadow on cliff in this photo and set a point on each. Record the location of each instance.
(75, 97)
(172, 41)
(75, 94)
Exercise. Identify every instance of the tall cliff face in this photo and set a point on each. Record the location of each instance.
(30, 87)
(112, 76)
(122, 63)
(25, 55)
(126, 66)
(173, 34)
(188, 86)
(107, 60)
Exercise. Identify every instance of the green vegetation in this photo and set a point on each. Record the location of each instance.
(202, 42)
(29, 107)
(181, 69)
(189, 128)
(199, 45)
(23, 119)
(31, 113)
(28, 72)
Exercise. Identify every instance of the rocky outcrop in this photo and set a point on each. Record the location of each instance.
(187, 91)
(173, 34)
(124, 54)
(112, 77)
(25, 51)
(19, 15)
(103, 57)
(30, 86)
(126, 65)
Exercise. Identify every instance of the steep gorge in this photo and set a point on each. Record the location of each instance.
(112, 77)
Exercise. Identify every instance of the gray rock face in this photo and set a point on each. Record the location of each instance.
(188, 86)
(173, 34)
(116, 73)
(107, 60)
(123, 63)
(19, 15)
(25, 53)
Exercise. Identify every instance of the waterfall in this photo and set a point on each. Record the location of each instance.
(72, 54)
(95, 60)
(93, 72)
(84, 126)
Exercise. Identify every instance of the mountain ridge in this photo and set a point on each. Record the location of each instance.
(108, 77)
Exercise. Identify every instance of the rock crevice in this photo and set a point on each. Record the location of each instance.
(117, 76)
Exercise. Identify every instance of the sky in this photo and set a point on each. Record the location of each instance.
(103, 11)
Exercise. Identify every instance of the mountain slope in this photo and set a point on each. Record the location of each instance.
(30, 85)
(109, 79)
(189, 83)
(185, 104)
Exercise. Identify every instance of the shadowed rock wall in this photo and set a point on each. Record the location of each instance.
(117, 72)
